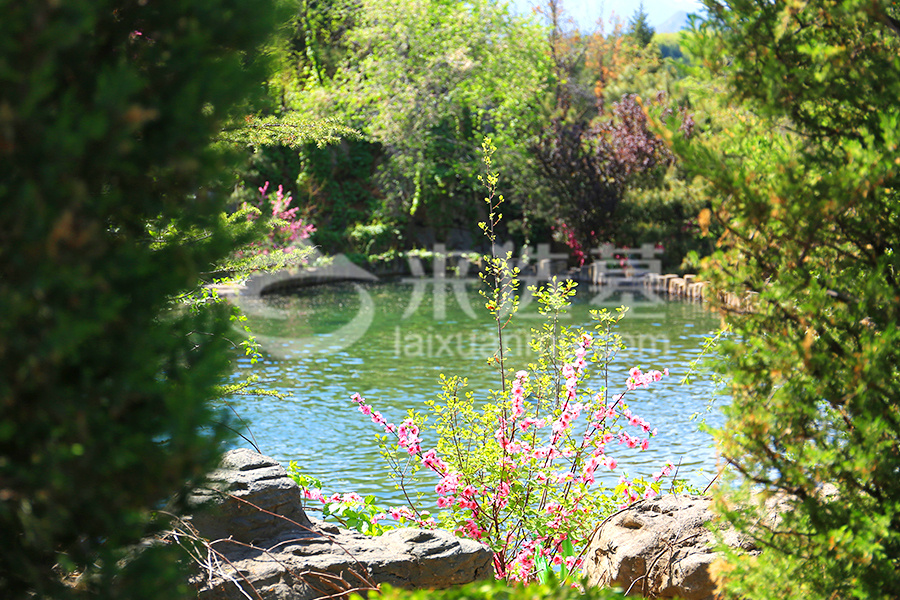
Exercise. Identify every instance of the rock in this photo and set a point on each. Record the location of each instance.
(659, 548)
(260, 538)
(664, 547)
(245, 482)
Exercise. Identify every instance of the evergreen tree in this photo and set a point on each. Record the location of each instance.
(809, 197)
(109, 210)
(639, 29)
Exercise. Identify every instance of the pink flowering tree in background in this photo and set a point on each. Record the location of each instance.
(287, 228)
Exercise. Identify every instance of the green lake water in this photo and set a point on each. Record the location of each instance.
(391, 341)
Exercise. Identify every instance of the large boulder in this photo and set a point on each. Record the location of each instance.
(239, 496)
(660, 548)
(259, 538)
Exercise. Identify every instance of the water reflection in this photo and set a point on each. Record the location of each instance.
(396, 362)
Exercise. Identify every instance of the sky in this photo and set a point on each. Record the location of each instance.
(586, 12)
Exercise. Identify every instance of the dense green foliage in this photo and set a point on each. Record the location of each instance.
(500, 590)
(428, 80)
(806, 186)
(110, 208)
(423, 83)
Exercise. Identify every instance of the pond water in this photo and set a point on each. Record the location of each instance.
(391, 341)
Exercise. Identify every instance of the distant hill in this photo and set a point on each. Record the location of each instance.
(673, 24)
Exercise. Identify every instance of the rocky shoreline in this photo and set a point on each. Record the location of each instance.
(252, 536)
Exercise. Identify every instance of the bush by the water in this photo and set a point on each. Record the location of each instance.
(807, 189)
(110, 208)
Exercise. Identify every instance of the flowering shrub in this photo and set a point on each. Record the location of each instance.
(570, 238)
(521, 473)
(287, 226)
(352, 510)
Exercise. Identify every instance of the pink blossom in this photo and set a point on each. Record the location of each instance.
(401, 512)
(543, 452)
(445, 501)
(431, 460)
(352, 498)
(448, 485)
(408, 436)
(472, 530)
(527, 422)
(314, 494)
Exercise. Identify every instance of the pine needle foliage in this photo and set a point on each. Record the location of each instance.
(807, 193)
(109, 209)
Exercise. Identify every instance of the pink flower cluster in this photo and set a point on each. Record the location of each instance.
(408, 437)
(664, 472)
(518, 394)
(292, 230)
(629, 494)
(351, 498)
(595, 460)
(571, 240)
(637, 379)
(407, 434)
(522, 567)
(530, 462)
